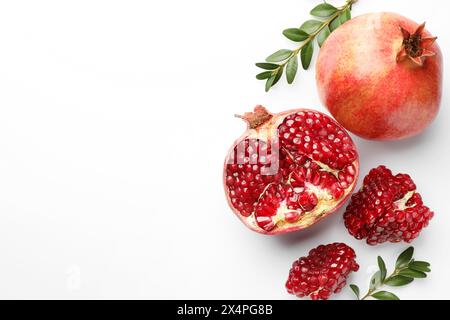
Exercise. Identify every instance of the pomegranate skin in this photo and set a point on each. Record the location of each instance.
(364, 86)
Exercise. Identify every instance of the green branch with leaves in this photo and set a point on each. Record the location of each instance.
(406, 270)
(329, 18)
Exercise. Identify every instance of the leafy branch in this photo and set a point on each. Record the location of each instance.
(406, 270)
(330, 19)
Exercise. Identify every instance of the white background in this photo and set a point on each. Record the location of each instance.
(115, 118)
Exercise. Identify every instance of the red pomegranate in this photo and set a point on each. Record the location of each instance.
(289, 170)
(380, 76)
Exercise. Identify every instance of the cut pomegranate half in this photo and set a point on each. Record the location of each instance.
(289, 170)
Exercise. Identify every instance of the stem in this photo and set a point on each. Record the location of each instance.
(315, 33)
(371, 291)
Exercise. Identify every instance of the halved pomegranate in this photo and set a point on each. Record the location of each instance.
(289, 170)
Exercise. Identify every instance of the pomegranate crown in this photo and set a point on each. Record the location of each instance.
(415, 46)
(258, 117)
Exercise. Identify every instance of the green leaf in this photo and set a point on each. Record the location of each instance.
(375, 281)
(345, 16)
(412, 273)
(280, 55)
(266, 66)
(422, 263)
(398, 281)
(336, 23)
(264, 75)
(323, 35)
(291, 69)
(404, 258)
(323, 10)
(311, 26)
(355, 290)
(306, 55)
(278, 76)
(269, 83)
(274, 79)
(420, 266)
(295, 34)
(382, 267)
(384, 295)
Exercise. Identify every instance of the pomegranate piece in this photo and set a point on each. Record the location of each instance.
(387, 208)
(323, 272)
(289, 170)
(380, 76)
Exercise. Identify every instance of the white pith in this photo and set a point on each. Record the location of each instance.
(325, 204)
(320, 193)
(401, 204)
(326, 168)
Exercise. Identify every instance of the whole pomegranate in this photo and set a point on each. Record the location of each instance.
(289, 170)
(380, 76)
